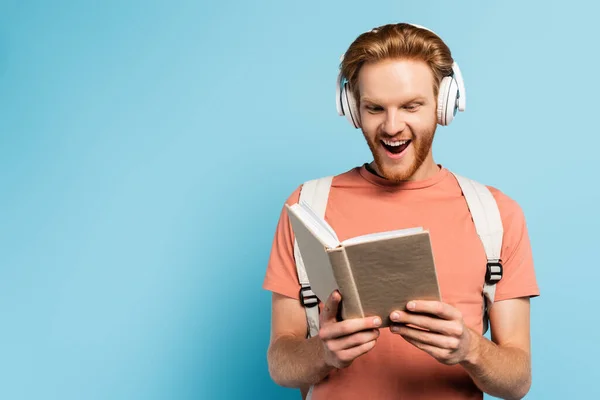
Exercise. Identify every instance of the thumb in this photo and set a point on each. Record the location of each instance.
(330, 308)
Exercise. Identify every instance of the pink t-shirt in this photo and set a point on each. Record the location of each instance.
(361, 203)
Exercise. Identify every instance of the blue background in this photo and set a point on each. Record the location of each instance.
(146, 149)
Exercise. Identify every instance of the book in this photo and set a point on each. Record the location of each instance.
(375, 273)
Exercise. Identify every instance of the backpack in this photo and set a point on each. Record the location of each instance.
(484, 212)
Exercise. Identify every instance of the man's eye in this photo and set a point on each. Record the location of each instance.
(374, 108)
(412, 107)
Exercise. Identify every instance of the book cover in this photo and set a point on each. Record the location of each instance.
(375, 274)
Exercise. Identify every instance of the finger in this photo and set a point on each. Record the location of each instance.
(354, 340)
(435, 352)
(355, 352)
(330, 308)
(433, 324)
(437, 308)
(428, 338)
(336, 329)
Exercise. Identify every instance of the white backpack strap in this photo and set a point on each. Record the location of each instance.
(488, 224)
(316, 194)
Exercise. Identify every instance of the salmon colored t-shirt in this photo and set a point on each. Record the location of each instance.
(361, 202)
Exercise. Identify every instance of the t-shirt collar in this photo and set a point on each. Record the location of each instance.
(418, 184)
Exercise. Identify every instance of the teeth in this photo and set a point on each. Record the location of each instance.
(394, 143)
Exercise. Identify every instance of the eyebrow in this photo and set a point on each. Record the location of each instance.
(375, 101)
(368, 99)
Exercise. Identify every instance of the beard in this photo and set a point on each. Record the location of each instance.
(400, 172)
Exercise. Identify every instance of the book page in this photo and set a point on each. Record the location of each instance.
(317, 225)
(372, 237)
(315, 256)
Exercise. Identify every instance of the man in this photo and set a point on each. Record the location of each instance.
(435, 350)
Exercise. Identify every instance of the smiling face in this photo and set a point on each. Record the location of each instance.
(398, 117)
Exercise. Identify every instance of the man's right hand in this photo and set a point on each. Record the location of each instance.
(344, 341)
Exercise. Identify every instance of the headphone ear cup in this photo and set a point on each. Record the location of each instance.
(447, 97)
(443, 100)
(338, 95)
(349, 107)
(353, 109)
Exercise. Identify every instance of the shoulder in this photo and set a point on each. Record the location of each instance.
(509, 208)
(294, 196)
(514, 223)
(335, 180)
(511, 212)
(507, 205)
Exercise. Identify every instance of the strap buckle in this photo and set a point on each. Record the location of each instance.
(494, 272)
(307, 297)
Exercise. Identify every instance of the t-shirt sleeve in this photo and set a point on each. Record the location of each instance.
(281, 276)
(519, 278)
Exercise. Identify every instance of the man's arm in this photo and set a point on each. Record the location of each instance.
(295, 361)
(501, 367)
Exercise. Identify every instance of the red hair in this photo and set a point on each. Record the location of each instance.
(400, 41)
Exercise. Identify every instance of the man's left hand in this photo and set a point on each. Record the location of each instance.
(439, 330)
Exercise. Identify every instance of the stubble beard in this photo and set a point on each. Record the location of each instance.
(421, 147)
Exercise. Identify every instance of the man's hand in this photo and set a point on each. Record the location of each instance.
(439, 330)
(344, 341)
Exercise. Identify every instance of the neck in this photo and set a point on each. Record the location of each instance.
(426, 170)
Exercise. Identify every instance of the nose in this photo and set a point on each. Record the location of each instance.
(394, 123)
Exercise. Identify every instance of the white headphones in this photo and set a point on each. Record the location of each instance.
(451, 97)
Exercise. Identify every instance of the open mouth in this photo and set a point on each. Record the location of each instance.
(395, 146)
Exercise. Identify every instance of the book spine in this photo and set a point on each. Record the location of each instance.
(351, 306)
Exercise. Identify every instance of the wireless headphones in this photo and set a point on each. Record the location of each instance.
(451, 97)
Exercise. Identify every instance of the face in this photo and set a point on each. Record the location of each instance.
(398, 117)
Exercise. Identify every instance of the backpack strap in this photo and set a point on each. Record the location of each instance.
(488, 224)
(316, 194)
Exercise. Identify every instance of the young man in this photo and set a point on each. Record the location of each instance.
(435, 350)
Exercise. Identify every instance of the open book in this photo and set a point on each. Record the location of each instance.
(375, 273)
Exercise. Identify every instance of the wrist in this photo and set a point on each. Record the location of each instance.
(473, 353)
(322, 362)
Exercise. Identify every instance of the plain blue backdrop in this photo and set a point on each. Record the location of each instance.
(146, 150)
